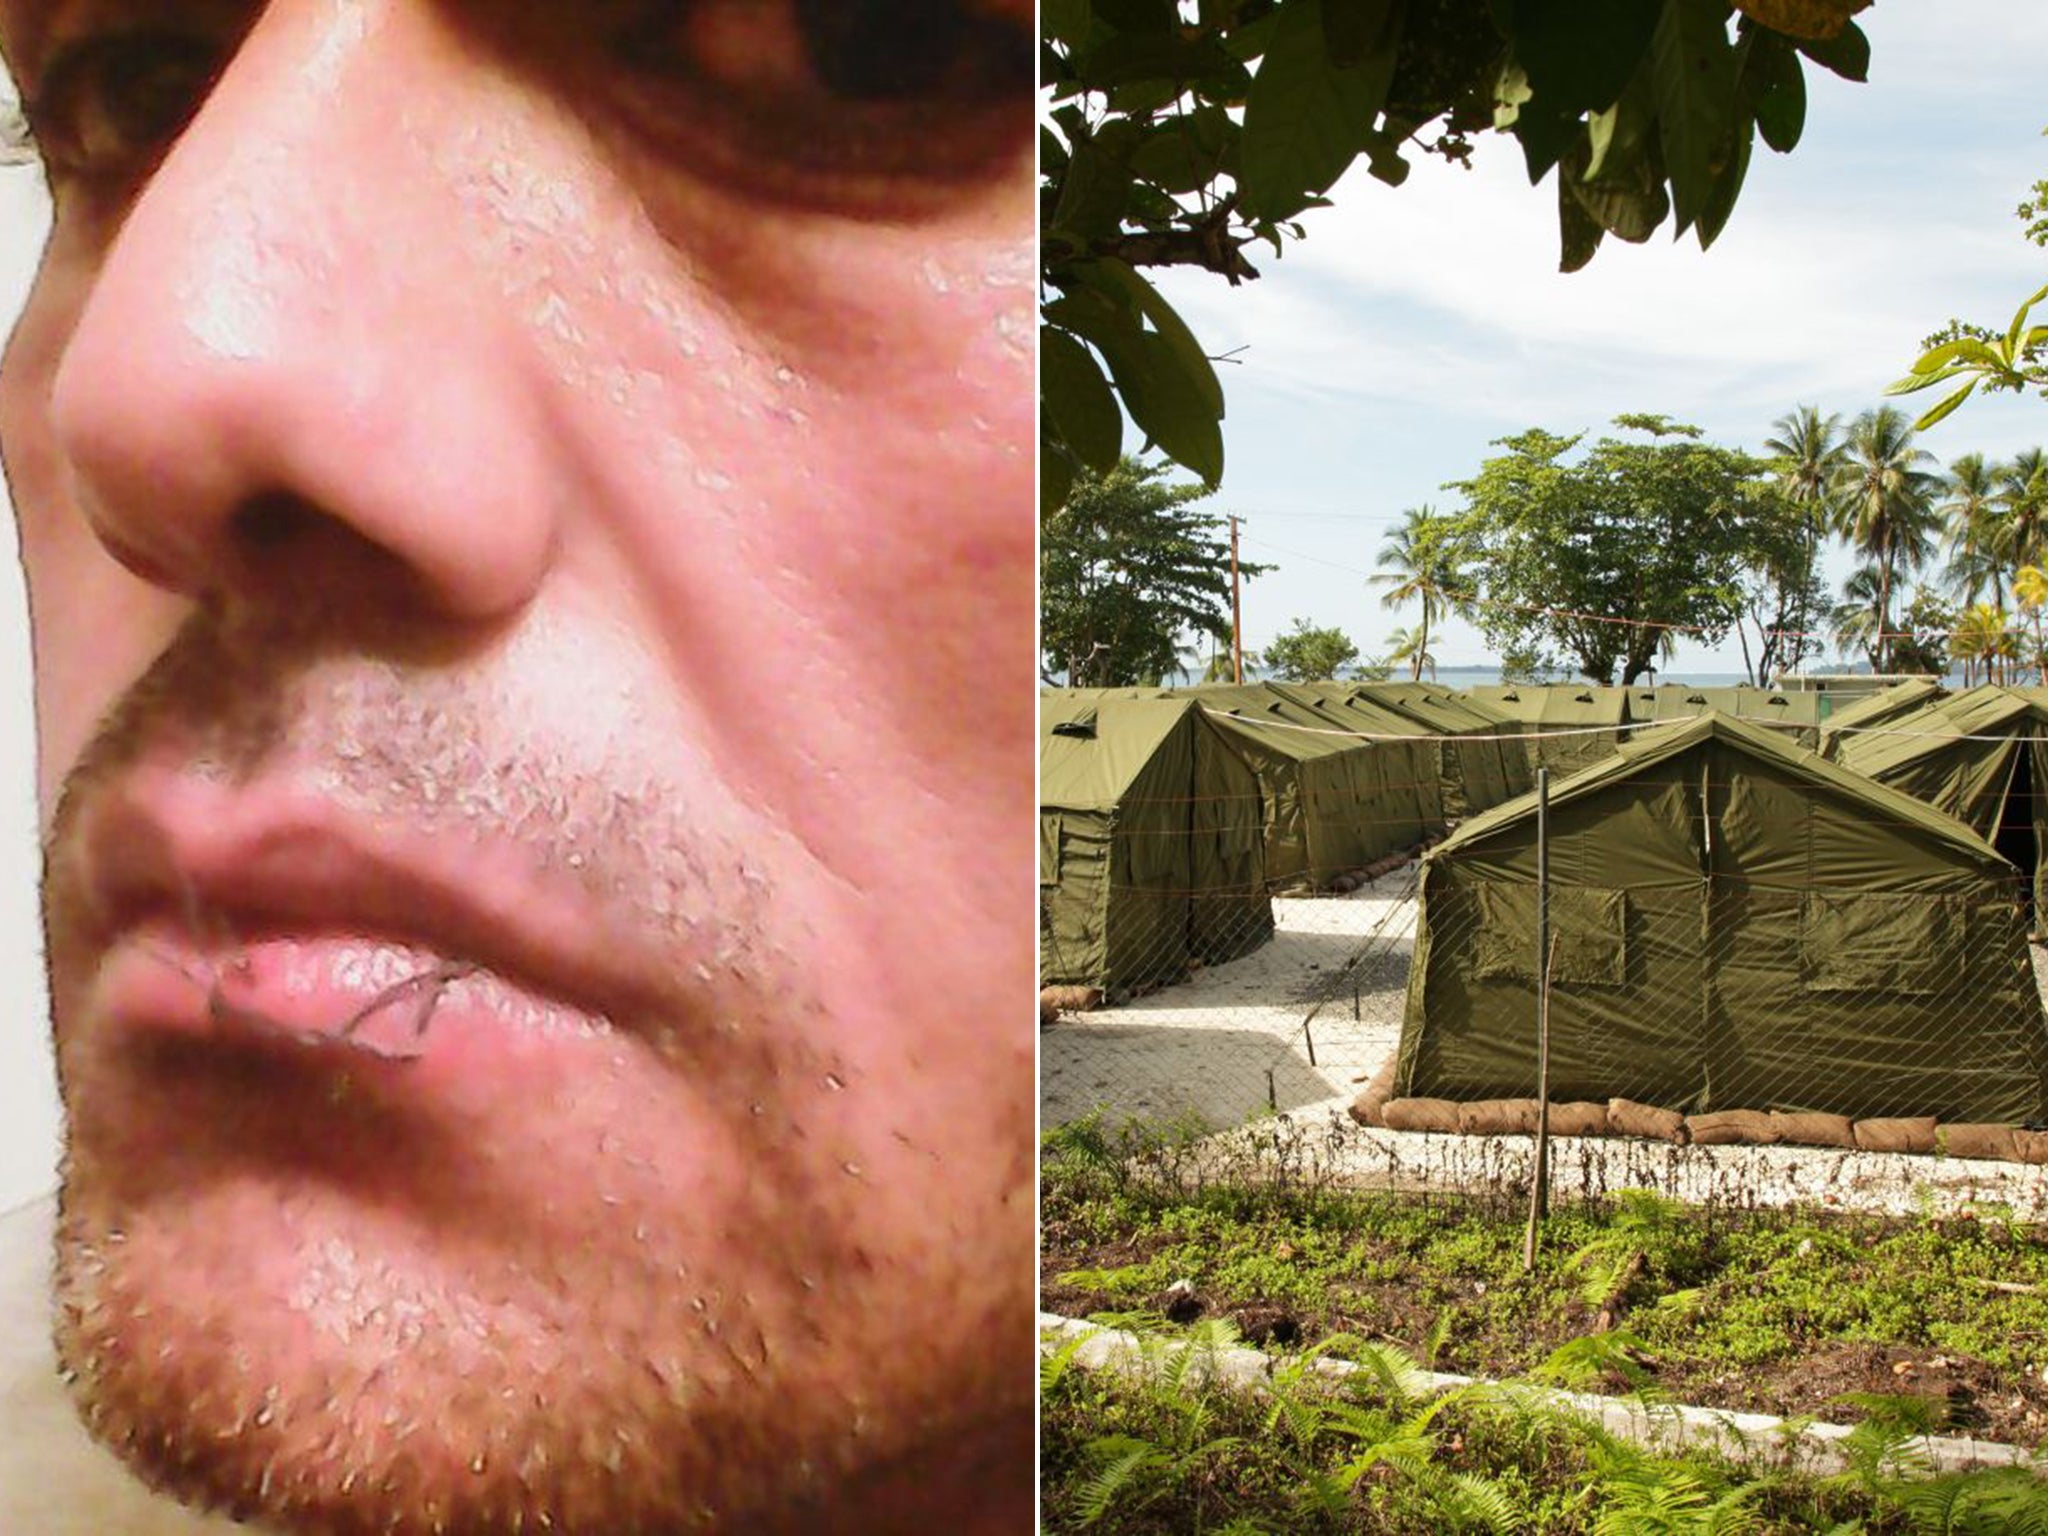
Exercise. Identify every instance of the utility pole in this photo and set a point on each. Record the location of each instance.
(1236, 611)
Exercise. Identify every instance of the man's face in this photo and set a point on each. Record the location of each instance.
(527, 514)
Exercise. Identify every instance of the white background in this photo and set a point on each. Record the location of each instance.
(28, 1091)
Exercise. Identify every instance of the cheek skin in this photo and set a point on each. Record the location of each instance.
(812, 441)
(828, 504)
(95, 625)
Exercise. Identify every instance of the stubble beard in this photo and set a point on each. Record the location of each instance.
(272, 1338)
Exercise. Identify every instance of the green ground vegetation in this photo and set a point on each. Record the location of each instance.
(1903, 1327)
(1770, 1310)
(1171, 1451)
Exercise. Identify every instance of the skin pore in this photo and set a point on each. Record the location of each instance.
(531, 497)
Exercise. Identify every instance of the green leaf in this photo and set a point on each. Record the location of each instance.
(1306, 118)
(1077, 400)
(1546, 133)
(1098, 182)
(1631, 212)
(1727, 187)
(1693, 72)
(1139, 15)
(1124, 58)
(1777, 84)
(1945, 407)
(1135, 289)
(1055, 478)
(1964, 349)
(1141, 98)
(1383, 159)
(1848, 55)
(1580, 54)
(1913, 383)
(1352, 29)
(1185, 152)
(1066, 21)
(1579, 233)
(1169, 404)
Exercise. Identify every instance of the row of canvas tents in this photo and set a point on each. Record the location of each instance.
(1331, 777)
(1742, 924)
(1166, 815)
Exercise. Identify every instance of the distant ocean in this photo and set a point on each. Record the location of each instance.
(1477, 676)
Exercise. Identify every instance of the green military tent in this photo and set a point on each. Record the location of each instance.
(1737, 924)
(1321, 785)
(1865, 712)
(1406, 803)
(1795, 716)
(1482, 758)
(1151, 853)
(1570, 725)
(1981, 756)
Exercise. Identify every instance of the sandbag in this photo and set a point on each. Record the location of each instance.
(1625, 1117)
(1968, 1139)
(1497, 1117)
(1054, 1001)
(1911, 1133)
(1731, 1127)
(2031, 1146)
(1369, 1108)
(1812, 1128)
(1578, 1119)
(1421, 1115)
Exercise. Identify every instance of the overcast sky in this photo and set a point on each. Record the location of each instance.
(1415, 325)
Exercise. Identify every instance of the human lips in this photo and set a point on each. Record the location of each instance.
(267, 914)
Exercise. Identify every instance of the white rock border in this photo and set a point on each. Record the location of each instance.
(1750, 1438)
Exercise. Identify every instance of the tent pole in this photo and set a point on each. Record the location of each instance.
(1539, 1183)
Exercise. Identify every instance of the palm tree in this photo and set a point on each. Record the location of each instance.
(1408, 645)
(1806, 454)
(1884, 502)
(1982, 634)
(1422, 557)
(2030, 589)
(2022, 499)
(1853, 621)
(1976, 530)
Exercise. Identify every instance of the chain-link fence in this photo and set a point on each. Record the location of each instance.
(1742, 944)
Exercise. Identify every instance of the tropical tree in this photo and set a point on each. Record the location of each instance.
(1884, 504)
(1602, 555)
(2030, 590)
(1921, 643)
(1306, 654)
(2022, 498)
(1805, 455)
(1983, 635)
(1780, 591)
(1126, 567)
(1853, 622)
(1411, 646)
(1976, 530)
(1188, 135)
(1421, 560)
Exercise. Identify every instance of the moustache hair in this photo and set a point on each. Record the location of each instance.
(406, 730)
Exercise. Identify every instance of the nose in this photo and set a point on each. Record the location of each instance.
(288, 370)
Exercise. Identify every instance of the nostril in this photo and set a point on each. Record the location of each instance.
(270, 523)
